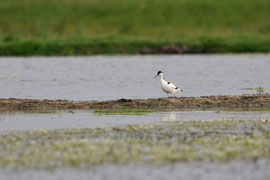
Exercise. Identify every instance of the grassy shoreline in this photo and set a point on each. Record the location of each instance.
(114, 45)
(79, 27)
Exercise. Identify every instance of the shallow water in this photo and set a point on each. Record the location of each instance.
(241, 170)
(236, 169)
(87, 119)
(114, 77)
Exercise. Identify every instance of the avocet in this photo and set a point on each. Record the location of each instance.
(167, 87)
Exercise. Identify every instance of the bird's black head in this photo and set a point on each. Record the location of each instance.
(159, 72)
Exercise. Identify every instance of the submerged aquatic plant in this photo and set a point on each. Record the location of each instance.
(221, 140)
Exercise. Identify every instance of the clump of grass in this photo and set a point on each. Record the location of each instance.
(260, 90)
(122, 111)
(206, 102)
(222, 140)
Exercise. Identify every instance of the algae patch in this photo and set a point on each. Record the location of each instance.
(222, 140)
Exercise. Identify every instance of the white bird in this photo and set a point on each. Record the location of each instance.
(167, 87)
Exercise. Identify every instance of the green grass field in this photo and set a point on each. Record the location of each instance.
(69, 27)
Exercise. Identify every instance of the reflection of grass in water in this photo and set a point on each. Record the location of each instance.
(249, 89)
(122, 111)
(9, 76)
(223, 140)
(259, 89)
(247, 110)
(172, 122)
(42, 112)
(31, 112)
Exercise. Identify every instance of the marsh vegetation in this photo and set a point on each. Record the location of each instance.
(221, 140)
(81, 27)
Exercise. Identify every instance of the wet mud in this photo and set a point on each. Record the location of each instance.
(230, 102)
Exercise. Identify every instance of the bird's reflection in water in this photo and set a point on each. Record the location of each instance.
(169, 117)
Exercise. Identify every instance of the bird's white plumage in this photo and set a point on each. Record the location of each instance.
(167, 87)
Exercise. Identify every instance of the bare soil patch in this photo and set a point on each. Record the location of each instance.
(247, 101)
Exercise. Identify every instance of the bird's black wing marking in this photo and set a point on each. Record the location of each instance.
(169, 83)
(177, 88)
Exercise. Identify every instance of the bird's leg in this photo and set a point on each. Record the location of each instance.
(168, 95)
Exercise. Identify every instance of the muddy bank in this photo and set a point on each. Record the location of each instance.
(248, 101)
